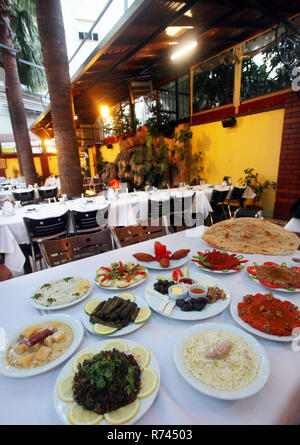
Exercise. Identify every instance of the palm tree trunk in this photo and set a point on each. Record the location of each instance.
(15, 103)
(54, 51)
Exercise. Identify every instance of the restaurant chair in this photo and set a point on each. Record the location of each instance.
(248, 213)
(235, 199)
(218, 203)
(65, 250)
(39, 230)
(160, 210)
(89, 221)
(181, 211)
(126, 236)
(24, 197)
(47, 194)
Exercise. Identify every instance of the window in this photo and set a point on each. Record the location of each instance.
(85, 35)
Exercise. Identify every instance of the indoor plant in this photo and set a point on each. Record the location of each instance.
(258, 187)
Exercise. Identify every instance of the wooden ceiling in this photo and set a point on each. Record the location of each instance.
(139, 48)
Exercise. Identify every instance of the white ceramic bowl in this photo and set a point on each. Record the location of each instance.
(197, 286)
(175, 296)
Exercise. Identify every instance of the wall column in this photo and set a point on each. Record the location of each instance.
(288, 184)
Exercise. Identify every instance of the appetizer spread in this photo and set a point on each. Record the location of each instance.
(219, 261)
(111, 384)
(269, 314)
(220, 360)
(39, 344)
(251, 235)
(115, 313)
(60, 292)
(276, 276)
(120, 275)
(163, 256)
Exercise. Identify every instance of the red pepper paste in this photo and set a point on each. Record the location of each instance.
(269, 314)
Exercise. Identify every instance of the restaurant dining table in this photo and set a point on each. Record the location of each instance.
(30, 401)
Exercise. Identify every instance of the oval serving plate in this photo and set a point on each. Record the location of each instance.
(275, 289)
(78, 330)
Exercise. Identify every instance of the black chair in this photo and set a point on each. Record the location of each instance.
(47, 193)
(39, 230)
(89, 221)
(160, 210)
(217, 203)
(181, 212)
(235, 198)
(248, 213)
(25, 197)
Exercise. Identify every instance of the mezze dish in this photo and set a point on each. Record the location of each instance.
(276, 276)
(113, 382)
(221, 360)
(219, 261)
(61, 293)
(120, 275)
(39, 344)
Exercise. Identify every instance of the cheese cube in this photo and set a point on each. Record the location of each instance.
(31, 330)
(26, 360)
(43, 354)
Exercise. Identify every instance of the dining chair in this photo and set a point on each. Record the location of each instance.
(235, 199)
(181, 217)
(160, 210)
(39, 230)
(26, 197)
(248, 213)
(65, 250)
(126, 236)
(47, 194)
(217, 203)
(90, 220)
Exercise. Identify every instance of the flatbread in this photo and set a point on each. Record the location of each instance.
(251, 235)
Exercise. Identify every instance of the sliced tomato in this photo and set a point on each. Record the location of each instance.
(270, 263)
(177, 273)
(268, 285)
(159, 248)
(251, 270)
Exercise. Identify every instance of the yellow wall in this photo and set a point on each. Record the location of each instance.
(254, 142)
(53, 167)
(12, 163)
(110, 154)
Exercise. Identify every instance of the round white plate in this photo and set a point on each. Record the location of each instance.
(75, 324)
(131, 327)
(210, 310)
(62, 306)
(145, 404)
(280, 289)
(155, 264)
(236, 317)
(124, 289)
(253, 388)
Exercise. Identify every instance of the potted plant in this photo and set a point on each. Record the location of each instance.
(258, 187)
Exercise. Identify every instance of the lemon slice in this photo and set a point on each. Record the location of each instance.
(120, 345)
(149, 382)
(84, 355)
(141, 355)
(101, 329)
(143, 315)
(122, 284)
(124, 414)
(90, 306)
(80, 416)
(64, 388)
(127, 296)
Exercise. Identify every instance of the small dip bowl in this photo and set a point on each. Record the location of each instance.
(186, 281)
(197, 290)
(177, 291)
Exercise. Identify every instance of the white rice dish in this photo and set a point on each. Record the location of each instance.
(63, 291)
(234, 371)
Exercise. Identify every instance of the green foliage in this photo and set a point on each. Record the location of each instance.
(181, 142)
(251, 180)
(196, 169)
(26, 41)
(159, 123)
(122, 124)
(100, 163)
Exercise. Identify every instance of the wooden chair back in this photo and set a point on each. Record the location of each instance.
(61, 251)
(126, 236)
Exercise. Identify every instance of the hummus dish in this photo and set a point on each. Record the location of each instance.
(220, 360)
(61, 292)
(39, 344)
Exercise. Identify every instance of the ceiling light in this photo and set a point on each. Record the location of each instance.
(188, 13)
(173, 30)
(182, 51)
(104, 111)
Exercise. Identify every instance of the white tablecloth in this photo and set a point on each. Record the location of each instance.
(293, 225)
(14, 258)
(30, 401)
